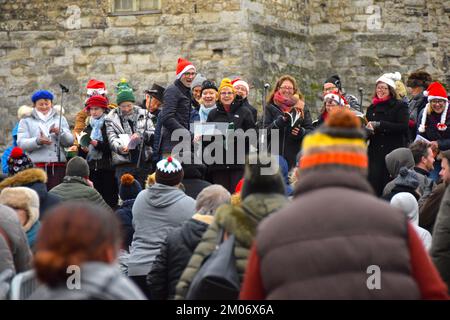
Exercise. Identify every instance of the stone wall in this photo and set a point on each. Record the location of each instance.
(43, 43)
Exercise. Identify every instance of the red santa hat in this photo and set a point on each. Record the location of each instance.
(336, 96)
(239, 82)
(434, 91)
(183, 66)
(96, 87)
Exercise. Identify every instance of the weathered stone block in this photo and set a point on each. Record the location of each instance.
(325, 28)
(124, 21)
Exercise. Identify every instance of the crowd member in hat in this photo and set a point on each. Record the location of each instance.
(25, 202)
(78, 234)
(209, 97)
(129, 188)
(176, 113)
(97, 152)
(332, 101)
(434, 121)
(15, 253)
(286, 112)
(230, 111)
(430, 208)
(406, 181)
(156, 210)
(154, 103)
(181, 243)
(130, 135)
(39, 134)
(440, 247)
(330, 244)
(406, 202)
(196, 92)
(396, 159)
(243, 89)
(423, 165)
(77, 186)
(333, 84)
(417, 83)
(22, 112)
(18, 161)
(262, 194)
(155, 110)
(388, 124)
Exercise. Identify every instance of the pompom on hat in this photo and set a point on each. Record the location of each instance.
(41, 94)
(183, 66)
(339, 143)
(18, 161)
(129, 187)
(434, 91)
(169, 172)
(226, 82)
(96, 87)
(390, 78)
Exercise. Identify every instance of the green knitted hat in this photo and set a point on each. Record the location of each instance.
(125, 96)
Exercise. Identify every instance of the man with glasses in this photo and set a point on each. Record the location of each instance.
(176, 112)
(333, 84)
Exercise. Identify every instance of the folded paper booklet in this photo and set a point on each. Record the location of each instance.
(83, 139)
(45, 132)
(125, 140)
(420, 138)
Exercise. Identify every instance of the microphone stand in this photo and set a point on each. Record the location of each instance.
(58, 150)
(361, 91)
(143, 133)
(264, 96)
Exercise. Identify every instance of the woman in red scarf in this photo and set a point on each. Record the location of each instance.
(286, 115)
(387, 118)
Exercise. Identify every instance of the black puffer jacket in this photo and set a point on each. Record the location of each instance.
(252, 109)
(193, 180)
(288, 143)
(175, 113)
(174, 256)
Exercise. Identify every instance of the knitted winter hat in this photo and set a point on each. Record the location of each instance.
(226, 82)
(406, 202)
(339, 143)
(198, 80)
(334, 80)
(96, 101)
(337, 97)
(96, 87)
(183, 66)
(129, 188)
(258, 181)
(434, 91)
(239, 82)
(24, 111)
(123, 85)
(41, 94)
(18, 161)
(407, 178)
(77, 167)
(208, 84)
(419, 79)
(125, 95)
(390, 78)
(22, 198)
(169, 172)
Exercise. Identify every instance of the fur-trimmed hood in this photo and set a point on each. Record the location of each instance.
(25, 177)
(243, 220)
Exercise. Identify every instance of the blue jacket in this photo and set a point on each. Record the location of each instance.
(7, 152)
(125, 214)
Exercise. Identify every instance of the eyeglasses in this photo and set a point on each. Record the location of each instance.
(440, 102)
(226, 93)
(382, 88)
(331, 102)
(189, 74)
(287, 88)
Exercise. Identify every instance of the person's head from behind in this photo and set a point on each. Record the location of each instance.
(423, 155)
(407, 203)
(210, 198)
(445, 164)
(77, 167)
(72, 234)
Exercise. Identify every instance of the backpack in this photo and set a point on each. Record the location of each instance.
(217, 278)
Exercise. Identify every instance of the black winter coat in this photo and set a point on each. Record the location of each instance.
(173, 258)
(392, 133)
(252, 109)
(105, 163)
(288, 143)
(194, 180)
(125, 214)
(241, 118)
(175, 113)
(431, 131)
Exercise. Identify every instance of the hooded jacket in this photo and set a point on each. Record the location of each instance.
(401, 157)
(30, 129)
(174, 256)
(240, 221)
(156, 210)
(99, 281)
(34, 179)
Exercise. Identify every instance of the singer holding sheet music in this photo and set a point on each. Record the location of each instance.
(38, 136)
(286, 112)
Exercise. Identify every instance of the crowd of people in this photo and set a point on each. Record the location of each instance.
(122, 194)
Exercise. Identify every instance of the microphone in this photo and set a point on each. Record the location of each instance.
(360, 89)
(63, 88)
(266, 85)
